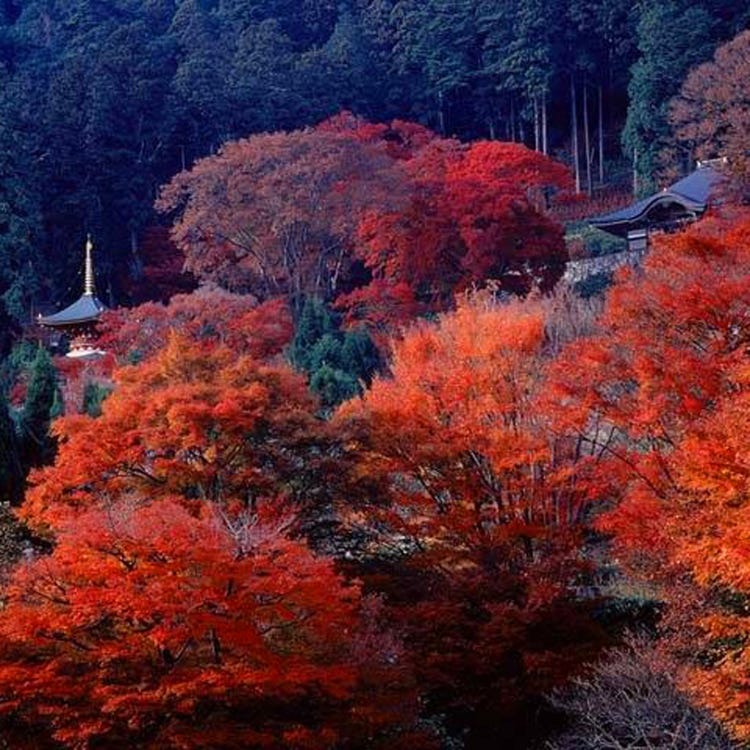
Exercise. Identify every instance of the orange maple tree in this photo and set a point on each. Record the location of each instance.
(207, 314)
(475, 529)
(195, 420)
(708, 515)
(180, 606)
(634, 389)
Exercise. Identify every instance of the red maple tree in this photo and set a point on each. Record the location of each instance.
(180, 606)
(389, 219)
(659, 397)
(164, 627)
(476, 214)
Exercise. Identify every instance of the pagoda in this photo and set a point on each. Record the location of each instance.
(77, 322)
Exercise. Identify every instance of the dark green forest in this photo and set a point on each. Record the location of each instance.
(101, 103)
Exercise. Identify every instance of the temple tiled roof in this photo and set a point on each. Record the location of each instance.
(692, 193)
(86, 309)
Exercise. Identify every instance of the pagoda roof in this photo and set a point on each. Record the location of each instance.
(692, 194)
(86, 309)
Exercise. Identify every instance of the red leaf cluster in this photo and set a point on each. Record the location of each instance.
(384, 219)
(478, 507)
(659, 395)
(179, 606)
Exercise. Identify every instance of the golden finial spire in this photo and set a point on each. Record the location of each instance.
(88, 282)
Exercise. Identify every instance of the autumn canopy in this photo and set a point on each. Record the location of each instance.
(381, 480)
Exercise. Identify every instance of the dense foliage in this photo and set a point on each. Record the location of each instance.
(100, 103)
(224, 566)
(339, 363)
(365, 472)
(385, 221)
(710, 113)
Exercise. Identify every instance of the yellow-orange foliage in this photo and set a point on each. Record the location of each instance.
(478, 505)
(458, 417)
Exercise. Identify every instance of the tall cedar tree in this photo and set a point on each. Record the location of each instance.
(38, 446)
(673, 36)
(11, 470)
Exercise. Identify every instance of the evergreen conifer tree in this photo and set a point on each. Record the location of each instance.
(41, 396)
(673, 36)
(337, 362)
(11, 471)
(314, 323)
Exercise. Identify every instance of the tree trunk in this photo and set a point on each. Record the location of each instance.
(137, 261)
(441, 114)
(574, 131)
(537, 129)
(601, 135)
(586, 136)
(544, 123)
(635, 171)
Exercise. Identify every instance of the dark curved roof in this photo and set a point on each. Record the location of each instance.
(86, 309)
(692, 193)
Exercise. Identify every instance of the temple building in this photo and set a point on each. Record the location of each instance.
(665, 211)
(77, 322)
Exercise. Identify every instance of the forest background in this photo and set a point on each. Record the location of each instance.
(102, 103)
